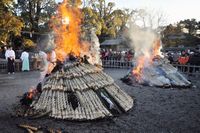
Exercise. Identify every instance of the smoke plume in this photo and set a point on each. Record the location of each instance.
(95, 48)
(46, 42)
(92, 48)
(143, 41)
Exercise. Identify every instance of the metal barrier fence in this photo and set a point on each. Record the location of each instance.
(189, 70)
(117, 64)
(3, 66)
(34, 64)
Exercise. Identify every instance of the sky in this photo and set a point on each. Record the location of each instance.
(174, 10)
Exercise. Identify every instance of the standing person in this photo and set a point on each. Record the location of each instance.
(175, 57)
(43, 69)
(51, 61)
(184, 58)
(170, 58)
(25, 61)
(3, 51)
(10, 57)
(43, 65)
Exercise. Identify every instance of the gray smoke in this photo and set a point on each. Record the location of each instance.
(142, 41)
(94, 52)
(46, 43)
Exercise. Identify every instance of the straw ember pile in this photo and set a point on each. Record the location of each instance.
(160, 74)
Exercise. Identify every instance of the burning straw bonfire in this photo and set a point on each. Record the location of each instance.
(78, 90)
(150, 67)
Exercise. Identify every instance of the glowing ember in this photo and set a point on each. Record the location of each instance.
(66, 26)
(30, 94)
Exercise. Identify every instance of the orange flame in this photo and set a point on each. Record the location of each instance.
(66, 26)
(141, 60)
(156, 48)
(30, 93)
(137, 71)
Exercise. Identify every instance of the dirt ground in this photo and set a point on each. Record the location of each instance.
(156, 110)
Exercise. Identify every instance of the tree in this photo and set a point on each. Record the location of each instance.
(191, 25)
(10, 25)
(107, 20)
(148, 18)
(177, 35)
(170, 29)
(105, 15)
(91, 19)
(35, 12)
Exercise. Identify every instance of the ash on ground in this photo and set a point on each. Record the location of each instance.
(157, 110)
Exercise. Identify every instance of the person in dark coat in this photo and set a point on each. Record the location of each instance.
(3, 51)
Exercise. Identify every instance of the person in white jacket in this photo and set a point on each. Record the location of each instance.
(10, 57)
(25, 61)
(48, 62)
(52, 61)
(43, 65)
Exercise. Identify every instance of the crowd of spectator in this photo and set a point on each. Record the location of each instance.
(175, 57)
(184, 57)
(109, 54)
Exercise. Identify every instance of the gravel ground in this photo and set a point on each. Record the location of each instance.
(156, 110)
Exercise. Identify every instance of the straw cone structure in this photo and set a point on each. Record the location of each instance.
(81, 92)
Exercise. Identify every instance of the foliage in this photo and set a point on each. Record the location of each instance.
(146, 18)
(191, 25)
(170, 29)
(176, 31)
(10, 25)
(28, 44)
(107, 20)
(35, 13)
